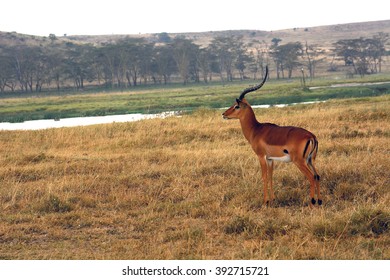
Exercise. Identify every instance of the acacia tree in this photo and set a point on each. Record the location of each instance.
(223, 50)
(286, 57)
(313, 55)
(379, 46)
(41, 69)
(164, 63)
(7, 73)
(115, 64)
(242, 58)
(29, 64)
(55, 67)
(77, 64)
(360, 60)
(292, 52)
(184, 51)
(259, 56)
(365, 55)
(29, 67)
(229, 53)
(274, 53)
(204, 63)
(145, 52)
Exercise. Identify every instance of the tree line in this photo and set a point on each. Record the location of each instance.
(130, 62)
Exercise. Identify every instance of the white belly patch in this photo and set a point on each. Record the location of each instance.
(285, 158)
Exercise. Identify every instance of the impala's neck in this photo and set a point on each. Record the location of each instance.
(248, 123)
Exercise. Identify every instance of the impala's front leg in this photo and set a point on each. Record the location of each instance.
(264, 175)
(270, 165)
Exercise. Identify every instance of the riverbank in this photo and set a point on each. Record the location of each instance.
(85, 121)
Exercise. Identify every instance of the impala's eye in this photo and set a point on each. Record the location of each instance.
(236, 107)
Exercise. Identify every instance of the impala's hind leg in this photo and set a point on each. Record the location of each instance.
(310, 163)
(306, 165)
(316, 180)
(304, 168)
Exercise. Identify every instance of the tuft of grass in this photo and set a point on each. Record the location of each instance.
(239, 224)
(53, 204)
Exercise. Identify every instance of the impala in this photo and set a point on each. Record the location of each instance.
(272, 143)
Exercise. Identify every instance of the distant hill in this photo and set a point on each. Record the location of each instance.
(66, 56)
(324, 36)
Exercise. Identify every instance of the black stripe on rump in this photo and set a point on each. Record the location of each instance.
(305, 150)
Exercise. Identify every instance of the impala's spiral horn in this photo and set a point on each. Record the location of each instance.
(250, 89)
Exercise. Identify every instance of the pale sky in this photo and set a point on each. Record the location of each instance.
(81, 17)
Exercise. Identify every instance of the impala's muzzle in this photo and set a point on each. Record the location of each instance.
(226, 114)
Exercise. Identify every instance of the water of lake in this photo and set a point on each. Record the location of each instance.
(82, 121)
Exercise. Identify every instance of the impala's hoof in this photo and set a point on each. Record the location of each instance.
(319, 202)
(313, 201)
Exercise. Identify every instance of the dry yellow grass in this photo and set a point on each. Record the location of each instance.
(190, 188)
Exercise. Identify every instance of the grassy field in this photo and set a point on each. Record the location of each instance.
(190, 188)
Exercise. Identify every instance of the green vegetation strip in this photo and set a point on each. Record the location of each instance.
(171, 98)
